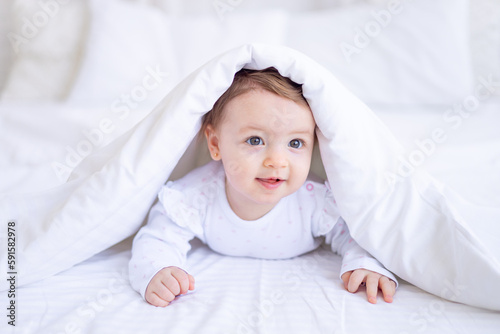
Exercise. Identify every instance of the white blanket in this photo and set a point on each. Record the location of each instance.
(407, 220)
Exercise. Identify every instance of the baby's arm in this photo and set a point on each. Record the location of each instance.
(158, 245)
(359, 267)
(167, 284)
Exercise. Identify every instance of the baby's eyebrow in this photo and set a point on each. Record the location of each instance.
(252, 127)
(305, 131)
(260, 128)
(301, 132)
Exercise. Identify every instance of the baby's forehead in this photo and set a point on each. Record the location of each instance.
(269, 111)
(258, 94)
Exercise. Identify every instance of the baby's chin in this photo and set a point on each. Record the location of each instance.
(277, 196)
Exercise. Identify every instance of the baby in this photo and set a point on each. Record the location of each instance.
(254, 199)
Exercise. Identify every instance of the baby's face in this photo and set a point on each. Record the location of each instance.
(265, 142)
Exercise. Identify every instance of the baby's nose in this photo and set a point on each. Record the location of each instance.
(276, 159)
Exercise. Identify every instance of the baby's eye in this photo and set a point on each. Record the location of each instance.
(295, 143)
(255, 141)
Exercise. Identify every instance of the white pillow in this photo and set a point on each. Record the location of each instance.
(399, 52)
(408, 60)
(197, 39)
(412, 225)
(46, 38)
(128, 60)
(118, 54)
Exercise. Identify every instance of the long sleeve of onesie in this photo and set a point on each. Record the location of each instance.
(159, 244)
(177, 218)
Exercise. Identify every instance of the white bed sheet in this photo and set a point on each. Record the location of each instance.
(240, 295)
(236, 295)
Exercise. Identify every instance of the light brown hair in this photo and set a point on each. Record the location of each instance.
(246, 80)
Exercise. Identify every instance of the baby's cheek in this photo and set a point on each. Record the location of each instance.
(300, 174)
(234, 168)
(302, 166)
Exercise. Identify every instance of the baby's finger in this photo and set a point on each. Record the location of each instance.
(182, 279)
(157, 294)
(191, 282)
(164, 292)
(372, 288)
(356, 278)
(388, 288)
(158, 289)
(155, 300)
(345, 277)
(167, 296)
(171, 284)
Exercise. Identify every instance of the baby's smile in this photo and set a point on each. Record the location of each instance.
(271, 182)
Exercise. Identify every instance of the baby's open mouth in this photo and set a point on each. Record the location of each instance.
(271, 182)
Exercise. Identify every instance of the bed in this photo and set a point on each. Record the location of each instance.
(61, 89)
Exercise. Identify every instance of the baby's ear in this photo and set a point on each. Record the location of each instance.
(213, 142)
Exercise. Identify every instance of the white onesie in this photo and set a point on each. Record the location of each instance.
(196, 206)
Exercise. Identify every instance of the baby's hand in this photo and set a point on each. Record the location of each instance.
(166, 284)
(373, 281)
